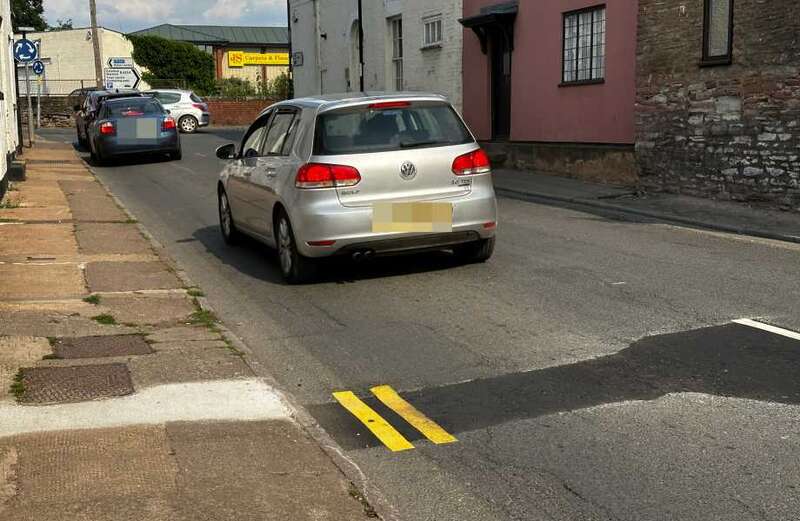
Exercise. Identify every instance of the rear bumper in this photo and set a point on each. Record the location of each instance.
(205, 120)
(318, 218)
(111, 147)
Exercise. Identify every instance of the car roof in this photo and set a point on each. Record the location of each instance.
(331, 101)
(176, 91)
(128, 98)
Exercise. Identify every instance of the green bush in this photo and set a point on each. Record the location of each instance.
(235, 88)
(174, 60)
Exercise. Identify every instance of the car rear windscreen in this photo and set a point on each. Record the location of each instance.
(134, 108)
(382, 127)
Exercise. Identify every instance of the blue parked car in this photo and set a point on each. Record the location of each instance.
(133, 126)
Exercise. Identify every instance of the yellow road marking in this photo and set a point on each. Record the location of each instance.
(388, 435)
(412, 415)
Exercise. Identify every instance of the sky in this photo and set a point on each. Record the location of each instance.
(131, 15)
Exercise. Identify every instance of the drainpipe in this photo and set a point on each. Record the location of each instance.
(360, 46)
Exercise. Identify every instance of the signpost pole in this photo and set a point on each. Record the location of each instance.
(39, 102)
(30, 105)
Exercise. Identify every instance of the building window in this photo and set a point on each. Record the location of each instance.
(718, 32)
(584, 46)
(432, 31)
(397, 51)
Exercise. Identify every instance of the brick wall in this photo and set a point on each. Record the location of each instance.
(728, 132)
(235, 112)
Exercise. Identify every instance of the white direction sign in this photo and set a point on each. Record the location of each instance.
(121, 63)
(127, 78)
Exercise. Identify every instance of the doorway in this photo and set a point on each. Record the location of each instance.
(500, 57)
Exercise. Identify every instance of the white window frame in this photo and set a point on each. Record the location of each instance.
(396, 35)
(432, 31)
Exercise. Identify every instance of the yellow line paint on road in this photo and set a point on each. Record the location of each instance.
(388, 435)
(432, 430)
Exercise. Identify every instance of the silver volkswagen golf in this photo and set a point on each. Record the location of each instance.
(379, 174)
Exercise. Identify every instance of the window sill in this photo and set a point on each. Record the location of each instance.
(716, 62)
(581, 82)
(431, 47)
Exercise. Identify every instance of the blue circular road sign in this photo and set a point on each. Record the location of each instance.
(38, 67)
(24, 51)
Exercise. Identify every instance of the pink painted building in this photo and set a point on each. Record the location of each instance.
(551, 84)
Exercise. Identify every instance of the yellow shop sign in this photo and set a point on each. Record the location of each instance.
(240, 58)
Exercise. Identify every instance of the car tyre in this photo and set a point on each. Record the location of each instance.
(176, 155)
(230, 234)
(295, 268)
(477, 251)
(188, 124)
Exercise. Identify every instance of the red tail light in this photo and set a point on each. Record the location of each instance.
(200, 106)
(475, 162)
(319, 175)
(107, 128)
(168, 124)
(390, 105)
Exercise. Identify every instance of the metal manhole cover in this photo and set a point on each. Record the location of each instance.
(101, 346)
(74, 384)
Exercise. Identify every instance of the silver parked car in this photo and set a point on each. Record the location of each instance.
(359, 176)
(188, 109)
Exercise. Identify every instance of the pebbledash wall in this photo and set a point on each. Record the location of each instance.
(729, 131)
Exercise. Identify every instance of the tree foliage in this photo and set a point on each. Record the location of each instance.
(61, 25)
(28, 13)
(168, 59)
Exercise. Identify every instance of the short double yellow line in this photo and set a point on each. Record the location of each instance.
(382, 429)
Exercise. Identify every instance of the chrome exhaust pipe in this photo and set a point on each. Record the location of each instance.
(357, 256)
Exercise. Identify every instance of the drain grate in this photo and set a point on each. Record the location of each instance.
(54, 162)
(101, 346)
(74, 384)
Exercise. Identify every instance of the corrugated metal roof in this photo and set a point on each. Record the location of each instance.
(210, 34)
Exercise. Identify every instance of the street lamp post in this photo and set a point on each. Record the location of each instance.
(98, 67)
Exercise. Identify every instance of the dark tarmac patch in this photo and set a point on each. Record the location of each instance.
(731, 361)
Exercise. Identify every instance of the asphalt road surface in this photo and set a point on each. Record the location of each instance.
(591, 370)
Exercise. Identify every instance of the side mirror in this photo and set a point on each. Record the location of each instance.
(168, 111)
(227, 151)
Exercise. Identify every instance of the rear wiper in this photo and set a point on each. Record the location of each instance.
(414, 144)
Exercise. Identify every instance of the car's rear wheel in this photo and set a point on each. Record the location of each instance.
(176, 155)
(295, 268)
(477, 251)
(188, 124)
(230, 234)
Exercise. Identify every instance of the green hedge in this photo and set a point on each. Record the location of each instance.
(178, 60)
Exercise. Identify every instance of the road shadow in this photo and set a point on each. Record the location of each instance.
(256, 260)
(730, 361)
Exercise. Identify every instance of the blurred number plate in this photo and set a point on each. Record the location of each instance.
(412, 217)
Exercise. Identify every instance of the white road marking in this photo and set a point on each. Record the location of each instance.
(766, 327)
(220, 400)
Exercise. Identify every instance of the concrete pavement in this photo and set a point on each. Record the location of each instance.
(121, 396)
(590, 370)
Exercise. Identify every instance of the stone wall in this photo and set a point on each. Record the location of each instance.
(610, 164)
(55, 111)
(728, 132)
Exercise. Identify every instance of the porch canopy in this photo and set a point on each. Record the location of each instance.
(497, 18)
